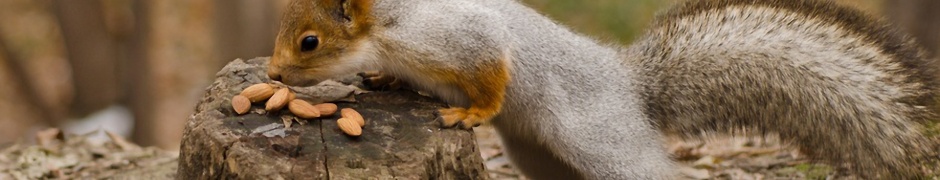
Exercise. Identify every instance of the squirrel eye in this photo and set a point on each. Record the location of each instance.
(309, 43)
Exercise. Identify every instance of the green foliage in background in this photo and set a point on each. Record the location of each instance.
(623, 20)
(609, 20)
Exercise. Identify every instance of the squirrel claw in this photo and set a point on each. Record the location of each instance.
(380, 80)
(452, 116)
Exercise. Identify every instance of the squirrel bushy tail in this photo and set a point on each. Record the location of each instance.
(841, 86)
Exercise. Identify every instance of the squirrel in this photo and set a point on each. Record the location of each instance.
(840, 85)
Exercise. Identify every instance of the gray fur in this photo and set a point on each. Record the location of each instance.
(830, 88)
(568, 97)
(576, 108)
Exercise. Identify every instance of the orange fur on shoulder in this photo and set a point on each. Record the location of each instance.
(485, 89)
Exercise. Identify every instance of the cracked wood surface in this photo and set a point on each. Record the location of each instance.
(401, 140)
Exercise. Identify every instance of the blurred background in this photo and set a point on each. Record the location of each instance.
(138, 67)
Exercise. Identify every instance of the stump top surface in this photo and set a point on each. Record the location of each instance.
(401, 139)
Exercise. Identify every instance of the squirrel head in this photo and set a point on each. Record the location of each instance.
(318, 38)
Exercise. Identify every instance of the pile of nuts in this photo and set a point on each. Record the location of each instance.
(277, 97)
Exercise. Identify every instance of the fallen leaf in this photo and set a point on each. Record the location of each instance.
(709, 162)
(695, 173)
(288, 121)
(49, 137)
(497, 162)
(267, 128)
(121, 142)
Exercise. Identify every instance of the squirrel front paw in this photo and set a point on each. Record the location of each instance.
(380, 80)
(467, 118)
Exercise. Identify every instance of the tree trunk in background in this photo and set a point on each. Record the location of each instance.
(179, 56)
(91, 51)
(36, 75)
(919, 17)
(245, 28)
(17, 110)
(182, 44)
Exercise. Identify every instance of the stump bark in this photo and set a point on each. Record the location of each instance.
(401, 139)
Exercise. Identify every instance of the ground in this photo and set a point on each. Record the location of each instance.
(73, 157)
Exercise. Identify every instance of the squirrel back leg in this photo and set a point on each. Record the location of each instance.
(614, 153)
(600, 137)
(535, 161)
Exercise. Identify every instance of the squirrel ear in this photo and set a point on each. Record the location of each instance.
(359, 13)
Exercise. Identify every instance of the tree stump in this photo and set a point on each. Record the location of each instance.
(401, 139)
